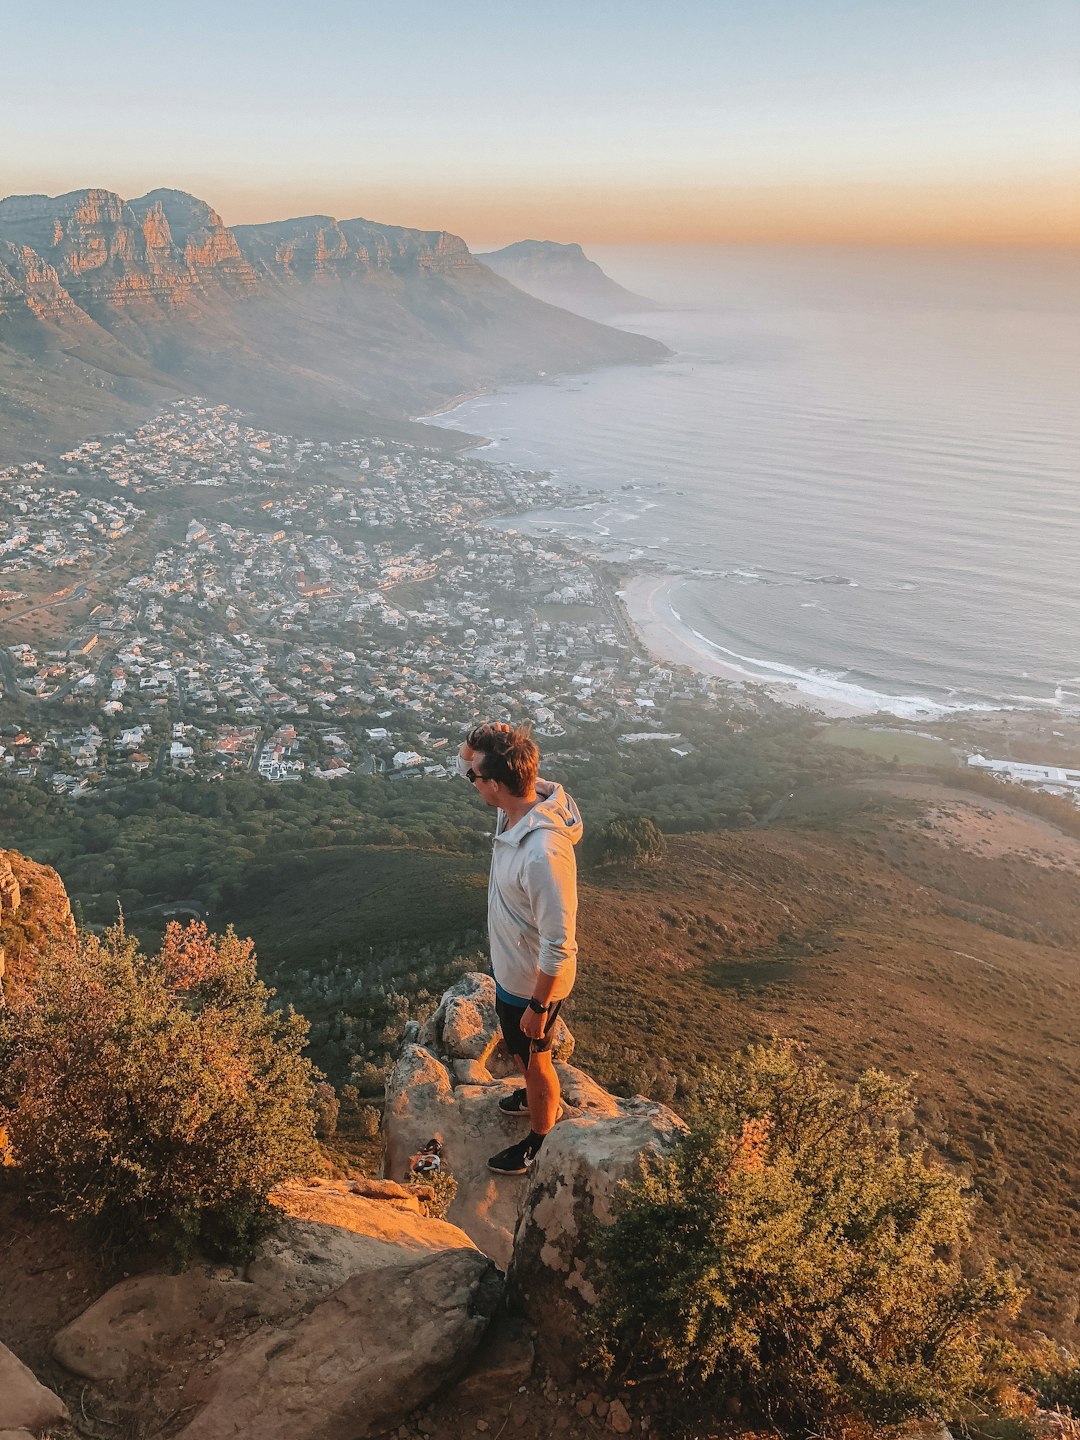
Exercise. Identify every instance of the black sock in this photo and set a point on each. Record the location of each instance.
(533, 1143)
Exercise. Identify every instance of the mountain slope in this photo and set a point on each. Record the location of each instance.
(564, 275)
(880, 929)
(108, 306)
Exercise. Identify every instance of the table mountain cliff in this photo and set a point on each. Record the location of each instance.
(564, 275)
(108, 306)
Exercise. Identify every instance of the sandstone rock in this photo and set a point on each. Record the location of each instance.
(16, 1435)
(573, 1182)
(149, 1322)
(25, 1404)
(155, 1323)
(422, 1101)
(358, 1362)
(470, 1072)
(403, 1195)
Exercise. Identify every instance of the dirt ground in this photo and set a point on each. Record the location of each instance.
(988, 830)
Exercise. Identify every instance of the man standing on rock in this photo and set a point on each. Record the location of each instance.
(532, 917)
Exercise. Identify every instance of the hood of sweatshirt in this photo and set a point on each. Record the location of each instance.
(555, 810)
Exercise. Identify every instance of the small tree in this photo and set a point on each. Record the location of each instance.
(161, 1096)
(798, 1251)
(627, 839)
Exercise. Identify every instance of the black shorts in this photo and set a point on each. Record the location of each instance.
(517, 1043)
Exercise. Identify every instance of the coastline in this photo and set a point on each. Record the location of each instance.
(646, 600)
(644, 597)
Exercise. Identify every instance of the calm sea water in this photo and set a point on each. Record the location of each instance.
(864, 465)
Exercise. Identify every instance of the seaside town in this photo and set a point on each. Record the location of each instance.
(202, 596)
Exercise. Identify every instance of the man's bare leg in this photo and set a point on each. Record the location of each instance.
(542, 1089)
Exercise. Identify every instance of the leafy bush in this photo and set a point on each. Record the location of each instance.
(1056, 1385)
(161, 1096)
(626, 839)
(797, 1251)
(444, 1186)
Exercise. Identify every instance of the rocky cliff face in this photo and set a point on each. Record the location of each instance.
(34, 912)
(105, 253)
(313, 325)
(27, 282)
(318, 247)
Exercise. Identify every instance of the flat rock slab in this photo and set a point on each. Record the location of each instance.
(166, 1325)
(26, 1404)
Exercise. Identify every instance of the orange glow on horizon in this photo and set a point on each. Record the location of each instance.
(1044, 211)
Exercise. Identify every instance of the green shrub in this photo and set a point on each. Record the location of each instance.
(444, 1186)
(797, 1251)
(159, 1096)
(626, 840)
(1056, 1386)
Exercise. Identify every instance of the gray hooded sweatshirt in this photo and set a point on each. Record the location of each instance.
(532, 895)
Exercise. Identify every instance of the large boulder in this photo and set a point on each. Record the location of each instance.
(573, 1185)
(428, 1095)
(153, 1324)
(358, 1362)
(464, 1030)
(194, 1339)
(26, 1404)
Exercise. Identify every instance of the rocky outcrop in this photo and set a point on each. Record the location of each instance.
(534, 1228)
(33, 284)
(35, 912)
(349, 1315)
(191, 232)
(359, 1307)
(25, 1404)
(573, 1185)
(166, 247)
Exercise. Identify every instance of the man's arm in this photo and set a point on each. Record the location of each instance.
(551, 880)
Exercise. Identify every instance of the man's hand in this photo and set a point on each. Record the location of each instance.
(533, 1025)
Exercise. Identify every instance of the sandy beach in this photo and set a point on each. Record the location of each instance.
(647, 599)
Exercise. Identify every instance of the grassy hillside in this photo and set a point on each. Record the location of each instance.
(886, 932)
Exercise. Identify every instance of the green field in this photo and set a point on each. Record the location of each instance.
(904, 748)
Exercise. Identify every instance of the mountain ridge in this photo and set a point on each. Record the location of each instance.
(110, 306)
(562, 274)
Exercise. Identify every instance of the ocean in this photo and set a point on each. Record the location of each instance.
(859, 473)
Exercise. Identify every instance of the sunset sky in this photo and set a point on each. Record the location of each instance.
(593, 120)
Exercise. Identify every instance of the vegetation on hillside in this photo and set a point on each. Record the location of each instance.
(798, 1251)
(150, 841)
(161, 1097)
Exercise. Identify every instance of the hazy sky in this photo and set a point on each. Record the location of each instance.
(593, 120)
